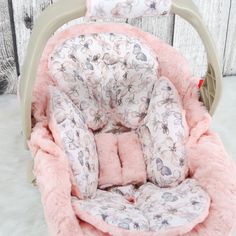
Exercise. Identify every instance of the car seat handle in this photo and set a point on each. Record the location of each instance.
(212, 86)
(66, 10)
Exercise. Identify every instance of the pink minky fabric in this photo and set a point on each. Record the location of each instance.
(132, 159)
(121, 160)
(208, 161)
(110, 173)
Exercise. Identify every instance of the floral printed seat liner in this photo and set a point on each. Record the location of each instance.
(108, 76)
(110, 83)
(154, 210)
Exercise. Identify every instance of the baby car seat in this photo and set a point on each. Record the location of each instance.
(119, 134)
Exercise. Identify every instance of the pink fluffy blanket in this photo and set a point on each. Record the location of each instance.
(207, 159)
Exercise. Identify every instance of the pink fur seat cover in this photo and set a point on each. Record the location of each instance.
(149, 209)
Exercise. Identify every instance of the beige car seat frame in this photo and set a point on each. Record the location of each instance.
(66, 10)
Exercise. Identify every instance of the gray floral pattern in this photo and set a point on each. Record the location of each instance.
(78, 141)
(114, 210)
(127, 192)
(109, 77)
(163, 136)
(98, 9)
(110, 83)
(169, 208)
(156, 209)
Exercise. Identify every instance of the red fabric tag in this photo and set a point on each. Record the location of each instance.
(200, 83)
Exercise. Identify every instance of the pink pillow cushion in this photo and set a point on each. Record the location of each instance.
(109, 163)
(131, 156)
(120, 159)
(72, 135)
(98, 9)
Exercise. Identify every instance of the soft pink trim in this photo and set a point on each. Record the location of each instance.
(89, 230)
(53, 178)
(106, 228)
(211, 166)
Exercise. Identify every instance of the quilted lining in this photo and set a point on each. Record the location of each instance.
(154, 209)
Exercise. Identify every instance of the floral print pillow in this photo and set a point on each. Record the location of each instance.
(71, 133)
(179, 209)
(165, 211)
(74, 75)
(98, 9)
(163, 136)
(109, 77)
(114, 210)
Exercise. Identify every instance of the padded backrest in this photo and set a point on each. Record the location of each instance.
(109, 76)
(178, 73)
(58, 14)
